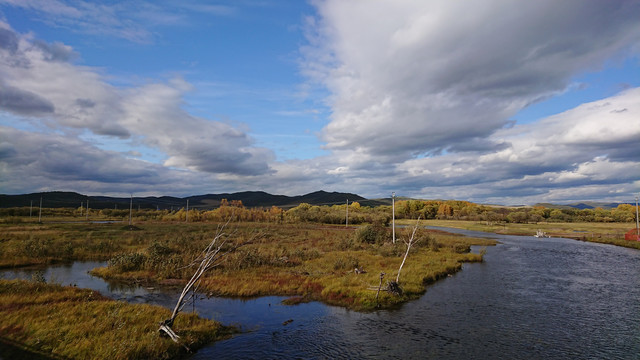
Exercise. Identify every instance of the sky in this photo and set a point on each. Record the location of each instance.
(498, 101)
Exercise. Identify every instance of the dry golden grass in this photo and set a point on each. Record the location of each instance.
(600, 232)
(311, 262)
(66, 322)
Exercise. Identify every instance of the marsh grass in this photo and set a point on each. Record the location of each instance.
(37, 244)
(67, 322)
(315, 262)
(600, 232)
(310, 262)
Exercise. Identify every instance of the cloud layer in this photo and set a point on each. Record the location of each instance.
(422, 96)
(421, 77)
(429, 90)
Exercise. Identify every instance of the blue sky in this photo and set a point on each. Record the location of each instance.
(493, 102)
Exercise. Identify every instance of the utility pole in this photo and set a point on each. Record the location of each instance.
(40, 212)
(81, 208)
(393, 215)
(187, 217)
(637, 220)
(30, 210)
(346, 223)
(130, 209)
(87, 208)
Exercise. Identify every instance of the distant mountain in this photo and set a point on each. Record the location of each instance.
(583, 205)
(57, 199)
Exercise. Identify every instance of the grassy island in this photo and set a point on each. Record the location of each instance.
(305, 261)
(308, 262)
(44, 321)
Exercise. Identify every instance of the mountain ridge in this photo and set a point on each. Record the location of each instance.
(58, 199)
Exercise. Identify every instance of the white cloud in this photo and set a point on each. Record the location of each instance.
(583, 147)
(67, 96)
(418, 77)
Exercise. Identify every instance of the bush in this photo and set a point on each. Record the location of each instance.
(158, 250)
(348, 263)
(37, 247)
(372, 234)
(128, 262)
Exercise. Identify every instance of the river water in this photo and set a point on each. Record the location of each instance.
(532, 298)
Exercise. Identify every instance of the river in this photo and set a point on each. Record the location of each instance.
(532, 298)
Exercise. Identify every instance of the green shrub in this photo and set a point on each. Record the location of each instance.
(372, 234)
(37, 247)
(157, 251)
(128, 262)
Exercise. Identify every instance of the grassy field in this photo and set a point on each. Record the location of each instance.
(606, 233)
(44, 321)
(305, 261)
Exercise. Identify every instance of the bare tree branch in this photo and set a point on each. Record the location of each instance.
(411, 242)
(209, 258)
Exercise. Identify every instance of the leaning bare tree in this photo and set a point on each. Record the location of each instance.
(409, 244)
(209, 258)
(394, 286)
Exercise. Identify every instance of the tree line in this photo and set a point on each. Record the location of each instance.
(356, 214)
(464, 210)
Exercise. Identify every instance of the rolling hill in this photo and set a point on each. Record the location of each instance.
(58, 199)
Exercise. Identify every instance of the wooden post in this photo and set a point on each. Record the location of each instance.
(40, 212)
(393, 216)
(347, 218)
(379, 286)
(637, 220)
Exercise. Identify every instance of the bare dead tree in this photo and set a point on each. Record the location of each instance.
(210, 257)
(409, 243)
(392, 286)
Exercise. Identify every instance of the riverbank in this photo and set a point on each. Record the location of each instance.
(605, 233)
(39, 320)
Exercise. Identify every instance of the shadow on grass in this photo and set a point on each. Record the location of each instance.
(10, 349)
